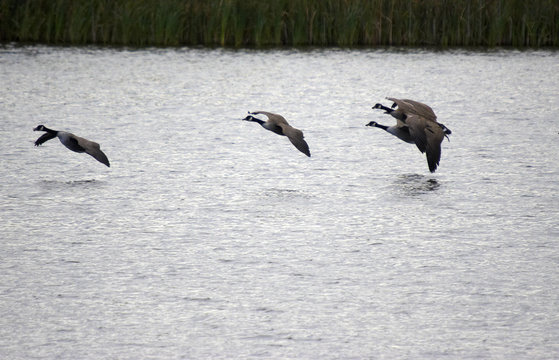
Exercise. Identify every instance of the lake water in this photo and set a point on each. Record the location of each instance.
(210, 237)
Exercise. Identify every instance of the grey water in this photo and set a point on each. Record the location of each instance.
(210, 237)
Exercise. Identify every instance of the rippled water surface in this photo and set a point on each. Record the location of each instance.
(210, 237)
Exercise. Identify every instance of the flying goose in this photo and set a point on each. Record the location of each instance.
(72, 142)
(279, 125)
(416, 124)
(403, 107)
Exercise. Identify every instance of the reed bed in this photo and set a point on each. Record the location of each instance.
(246, 23)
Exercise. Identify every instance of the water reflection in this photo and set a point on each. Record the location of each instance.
(283, 193)
(416, 184)
(56, 184)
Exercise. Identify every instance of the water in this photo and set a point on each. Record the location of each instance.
(210, 237)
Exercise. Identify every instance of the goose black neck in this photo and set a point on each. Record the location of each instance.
(382, 107)
(261, 122)
(50, 131)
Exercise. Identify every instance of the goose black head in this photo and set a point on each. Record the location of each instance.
(249, 118)
(446, 131)
(40, 128)
(372, 123)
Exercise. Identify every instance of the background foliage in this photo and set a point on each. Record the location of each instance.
(282, 22)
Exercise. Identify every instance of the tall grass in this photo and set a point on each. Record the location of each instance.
(282, 22)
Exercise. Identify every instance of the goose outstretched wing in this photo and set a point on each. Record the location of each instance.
(44, 138)
(410, 107)
(427, 136)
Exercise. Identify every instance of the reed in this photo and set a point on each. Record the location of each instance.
(242, 23)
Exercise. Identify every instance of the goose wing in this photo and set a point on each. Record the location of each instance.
(92, 148)
(273, 118)
(415, 107)
(297, 138)
(428, 136)
(274, 123)
(44, 138)
(400, 124)
(99, 156)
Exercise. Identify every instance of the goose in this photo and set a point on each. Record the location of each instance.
(72, 142)
(403, 107)
(416, 124)
(277, 123)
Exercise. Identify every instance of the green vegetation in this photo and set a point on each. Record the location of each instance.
(282, 22)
